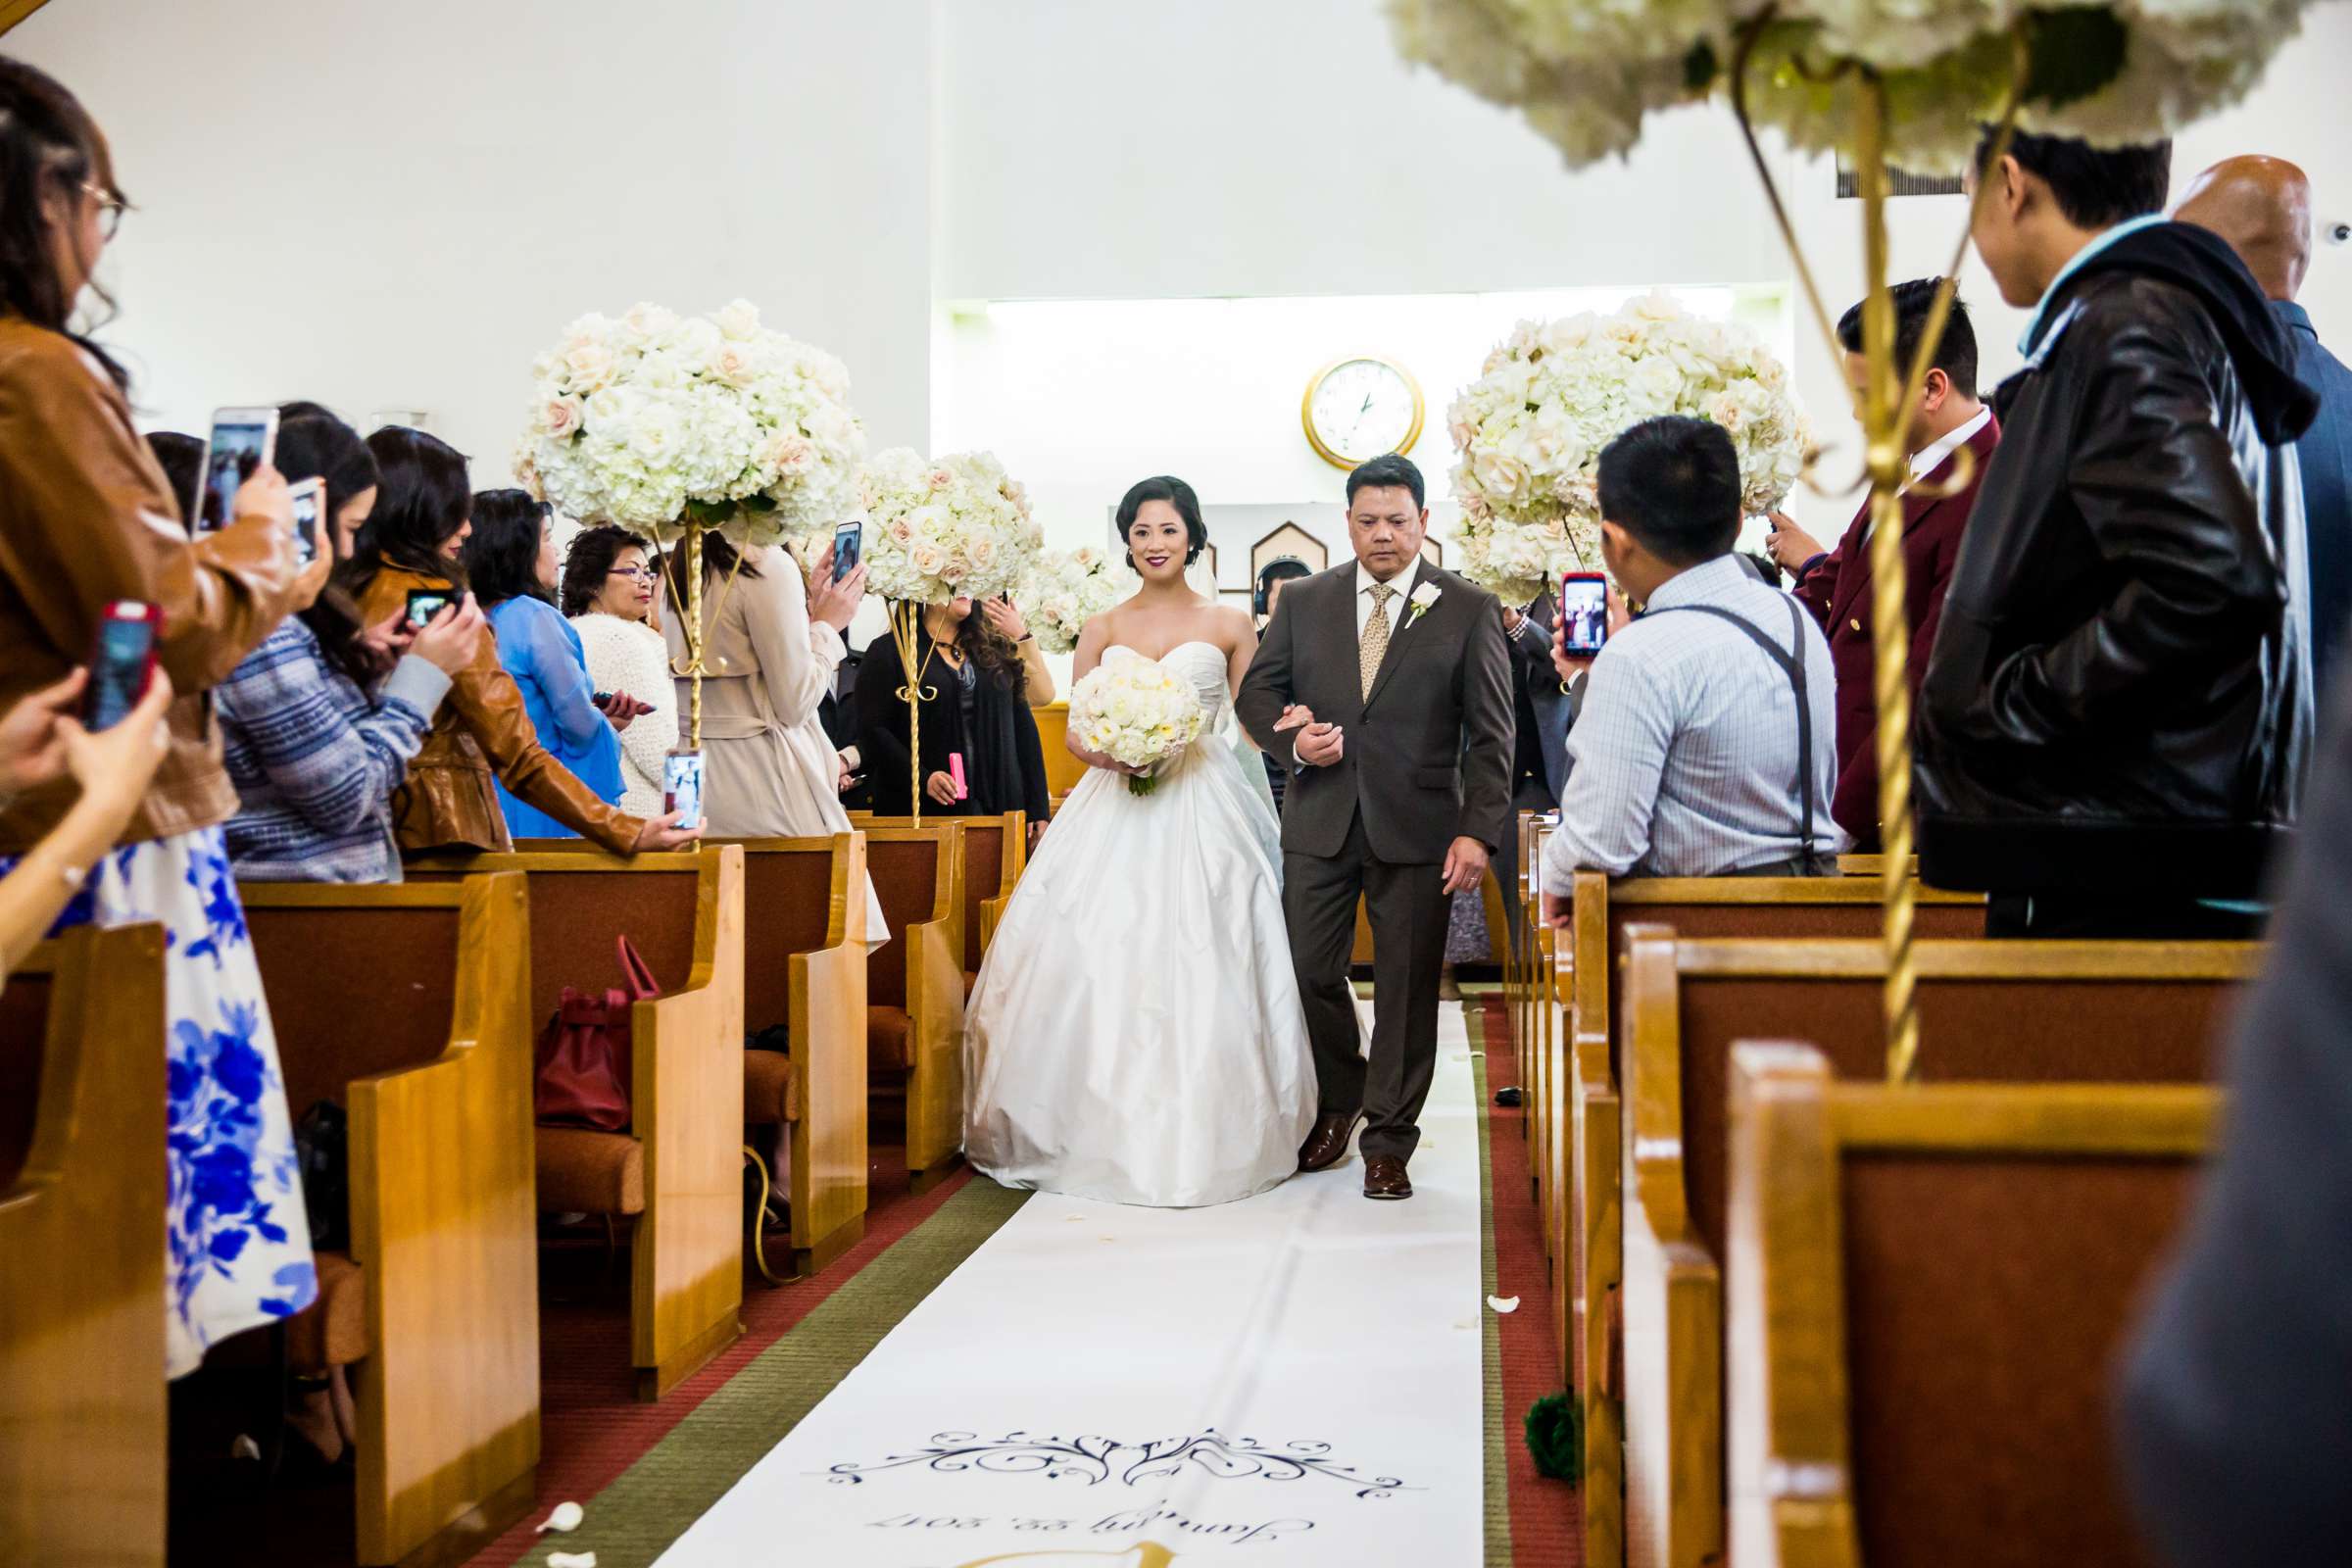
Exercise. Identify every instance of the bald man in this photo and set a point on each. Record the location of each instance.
(2262, 206)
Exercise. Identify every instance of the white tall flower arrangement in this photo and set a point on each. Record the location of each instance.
(942, 527)
(1528, 433)
(1068, 588)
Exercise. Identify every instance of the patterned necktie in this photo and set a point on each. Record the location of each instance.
(1375, 642)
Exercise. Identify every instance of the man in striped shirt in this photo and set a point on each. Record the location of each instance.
(1704, 741)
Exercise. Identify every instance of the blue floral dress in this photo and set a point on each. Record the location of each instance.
(237, 1243)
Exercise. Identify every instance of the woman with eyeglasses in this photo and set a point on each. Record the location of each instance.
(89, 523)
(609, 590)
(510, 561)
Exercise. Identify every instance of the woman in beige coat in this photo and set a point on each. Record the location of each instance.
(771, 642)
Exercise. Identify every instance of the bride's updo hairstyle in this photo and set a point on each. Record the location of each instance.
(1176, 493)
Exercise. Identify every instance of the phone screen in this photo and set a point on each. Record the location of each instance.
(849, 542)
(426, 602)
(682, 787)
(309, 500)
(1585, 612)
(237, 449)
(119, 674)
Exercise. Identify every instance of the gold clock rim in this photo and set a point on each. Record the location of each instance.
(1307, 410)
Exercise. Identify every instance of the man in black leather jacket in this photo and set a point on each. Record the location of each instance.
(2113, 725)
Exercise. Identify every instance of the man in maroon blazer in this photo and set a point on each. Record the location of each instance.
(1952, 438)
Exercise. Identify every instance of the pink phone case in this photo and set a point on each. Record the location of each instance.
(956, 774)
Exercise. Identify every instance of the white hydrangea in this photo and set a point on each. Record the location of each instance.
(653, 420)
(1528, 433)
(1065, 589)
(1585, 72)
(1135, 710)
(942, 527)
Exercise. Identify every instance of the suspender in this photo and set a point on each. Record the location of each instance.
(1792, 665)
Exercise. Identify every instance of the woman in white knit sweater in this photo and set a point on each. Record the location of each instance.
(609, 587)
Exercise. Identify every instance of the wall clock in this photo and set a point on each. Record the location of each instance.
(1361, 408)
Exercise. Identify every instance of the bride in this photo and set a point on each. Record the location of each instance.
(1136, 1035)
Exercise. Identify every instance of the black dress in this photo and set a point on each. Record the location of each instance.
(988, 722)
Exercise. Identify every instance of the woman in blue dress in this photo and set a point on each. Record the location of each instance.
(510, 561)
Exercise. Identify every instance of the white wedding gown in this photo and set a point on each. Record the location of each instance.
(1136, 1035)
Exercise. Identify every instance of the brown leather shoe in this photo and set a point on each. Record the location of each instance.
(1385, 1177)
(1327, 1145)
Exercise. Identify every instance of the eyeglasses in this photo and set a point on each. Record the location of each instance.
(110, 208)
(641, 573)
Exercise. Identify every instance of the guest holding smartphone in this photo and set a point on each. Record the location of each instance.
(484, 738)
(609, 592)
(510, 562)
(89, 529)
(322, 721)
(976, 690)
(771, 644)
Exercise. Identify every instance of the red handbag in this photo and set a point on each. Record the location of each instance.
(584, 1051)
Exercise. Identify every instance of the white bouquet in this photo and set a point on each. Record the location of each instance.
(1133, 711)
(1068, 588)
(942, 527)
(1585, 72)
(1528, 431)
(659, 422)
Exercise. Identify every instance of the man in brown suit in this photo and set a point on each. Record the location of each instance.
(1952, 437)
(1385, 686)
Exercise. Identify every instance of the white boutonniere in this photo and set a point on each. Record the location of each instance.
(1423, 596)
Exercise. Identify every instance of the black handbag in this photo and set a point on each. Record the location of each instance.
(322, 1152)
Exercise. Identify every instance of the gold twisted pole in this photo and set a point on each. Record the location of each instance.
(906, 630)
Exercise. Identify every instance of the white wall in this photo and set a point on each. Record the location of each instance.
(397, 205)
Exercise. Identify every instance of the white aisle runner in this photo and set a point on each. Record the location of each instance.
(1293, 1379)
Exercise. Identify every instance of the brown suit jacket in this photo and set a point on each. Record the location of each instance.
(1428, 751)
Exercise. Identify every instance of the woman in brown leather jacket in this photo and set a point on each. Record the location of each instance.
(449, 801)
(88, 521)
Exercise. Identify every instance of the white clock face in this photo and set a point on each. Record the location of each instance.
(1362, 408)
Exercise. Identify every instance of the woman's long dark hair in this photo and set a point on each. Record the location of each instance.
(991, 651)
(322, 447)
(424, 501)
(502, 557)
(49, 147)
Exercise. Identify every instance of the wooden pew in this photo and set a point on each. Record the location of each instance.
(82, 1252)
(914, 989)
(1936, 1393)
(1869, 865)
(995, 852)
(402, 1004)
(804, 918)
(1063, 770)
(677, 1172)
(1990, 1011)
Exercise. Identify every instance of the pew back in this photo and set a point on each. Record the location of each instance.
(404, 1004)
(684, 912)
(1907, 1393)
(995, 852)
(920, 970)
(82, 1252)
(805, 967)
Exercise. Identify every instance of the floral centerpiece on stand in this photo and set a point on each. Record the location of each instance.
(940, 528)
(1528, 431)
(673, 426)
(1134, 711)
(1879, 81)
(1068, 588)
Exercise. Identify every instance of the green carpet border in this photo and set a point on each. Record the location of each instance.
(676, 1480)
(1498, 1489)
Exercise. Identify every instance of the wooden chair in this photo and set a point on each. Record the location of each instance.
(677, 1173)
(1989, 1012)
(804, 916)
(995, 852)
(1929, 1288)
(914, 989)
(402, 1004)
(82, 1237)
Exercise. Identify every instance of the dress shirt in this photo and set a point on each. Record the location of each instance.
(1365, 582)
(1682, 757)
(1927, 458)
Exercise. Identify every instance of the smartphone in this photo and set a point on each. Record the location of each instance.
(849, 542)
(682, 787)
(601, 700)
(426, 602)
(955, 775)
(243, 441)
(1585, 612)
(123, 663)
(309, 514)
